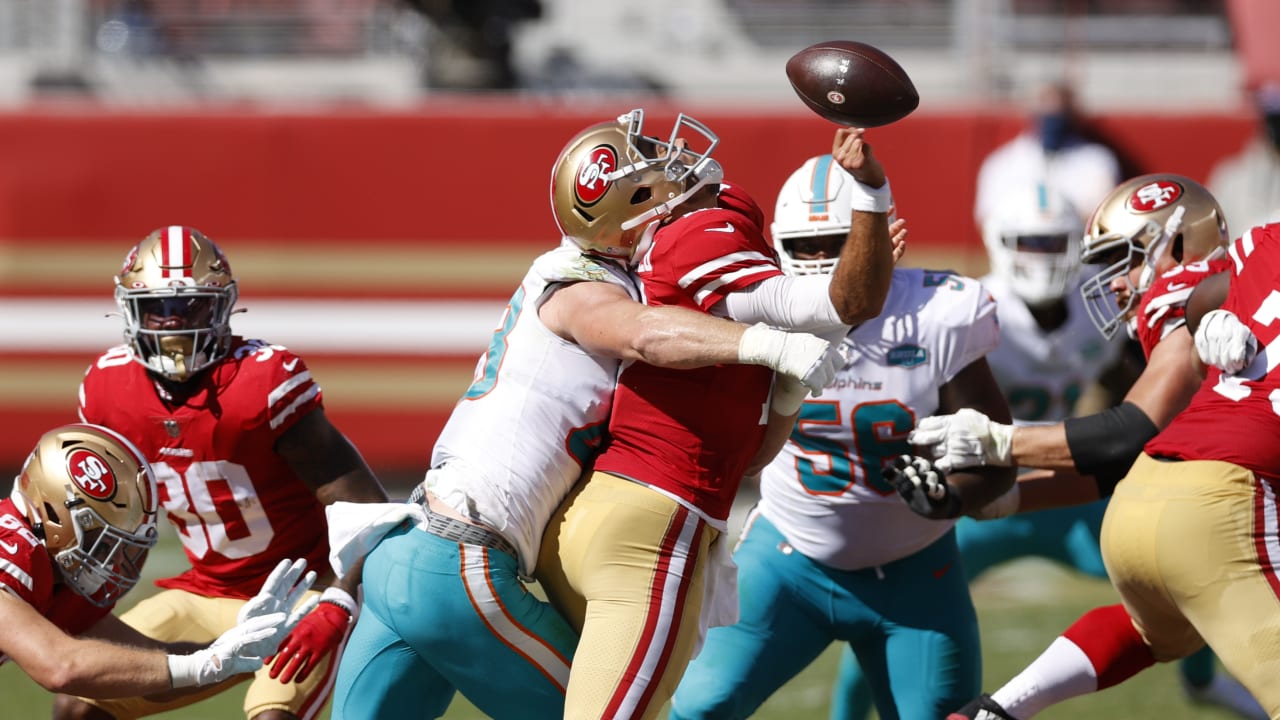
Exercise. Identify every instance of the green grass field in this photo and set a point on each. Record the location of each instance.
(1022, 607)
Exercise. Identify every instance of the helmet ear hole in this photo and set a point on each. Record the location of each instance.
(1176, 248)
(51, 512)
(641, 195)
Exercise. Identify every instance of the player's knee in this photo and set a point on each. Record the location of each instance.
(66, 707)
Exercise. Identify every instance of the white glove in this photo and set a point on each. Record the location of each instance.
(281, 590)
(965, 439)
(1224, 342)
(807, 358)
(238, 650)
(280, 595)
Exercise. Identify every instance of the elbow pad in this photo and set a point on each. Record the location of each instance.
(1105, 444)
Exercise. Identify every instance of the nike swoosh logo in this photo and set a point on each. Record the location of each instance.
(11, 548)
(942, 570)
(728, 227)
(1175, 287)
(291, 364)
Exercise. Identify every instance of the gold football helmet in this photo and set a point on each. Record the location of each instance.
(176, 292)
(611, 183)
(91, 499)
(1156, 221)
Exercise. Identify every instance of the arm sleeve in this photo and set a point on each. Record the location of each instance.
(795, 303)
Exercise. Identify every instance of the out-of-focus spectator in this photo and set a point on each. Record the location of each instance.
(477, 34)
(1247, 184)
(1056, 150)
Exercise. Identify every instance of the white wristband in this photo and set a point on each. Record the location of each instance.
(788, 395)
(342, 599)
(184, 670)
(869, 199)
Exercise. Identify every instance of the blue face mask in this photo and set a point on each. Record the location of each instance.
(1055, 130)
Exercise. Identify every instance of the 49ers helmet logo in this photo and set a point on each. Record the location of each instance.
(1154, 196)
(91, 474)
(591, 183)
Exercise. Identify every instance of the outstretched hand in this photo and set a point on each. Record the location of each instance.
(854, 154)
(924, 487)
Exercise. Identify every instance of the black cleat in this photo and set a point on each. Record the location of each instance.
(981, 708)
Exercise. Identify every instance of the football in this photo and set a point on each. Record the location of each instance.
(852, 84)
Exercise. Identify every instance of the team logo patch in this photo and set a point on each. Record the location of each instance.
(1154, 196)
(591, 184)
(91, 474)
(907, 356)
(835, 97)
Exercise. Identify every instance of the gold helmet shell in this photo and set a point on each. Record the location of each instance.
(1156, 221)
(91, 499)
(176, 293)
(611, 182)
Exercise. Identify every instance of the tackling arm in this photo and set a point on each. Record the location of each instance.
(79, 666)
(975, 387)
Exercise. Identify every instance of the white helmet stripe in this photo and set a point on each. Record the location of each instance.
(177, 259)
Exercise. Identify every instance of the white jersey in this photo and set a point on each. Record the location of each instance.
(534, 416)
(1084, 172)
(1043, 373)
(825, 491)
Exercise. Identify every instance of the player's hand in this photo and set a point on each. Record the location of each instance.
(897, 235)
(280, 592)
(1224, 342)
(965, 439)
(236, 651)
(924, 487)
(853, 153)
(807, 358)
(319, 634)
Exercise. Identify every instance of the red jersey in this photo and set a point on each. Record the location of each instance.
(28, 573)
(1163, 307)
(693, 432)
(1233, 418)
(238, 507)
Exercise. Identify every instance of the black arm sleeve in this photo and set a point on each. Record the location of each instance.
(1105, 444)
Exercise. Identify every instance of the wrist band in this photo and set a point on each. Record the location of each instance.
(341, 598)
(869, 199)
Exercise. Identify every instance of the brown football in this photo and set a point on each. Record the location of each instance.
(852, 83)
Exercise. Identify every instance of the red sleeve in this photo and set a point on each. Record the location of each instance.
(1163, 308)
(291, 392)
(708, 254)
(25, 568)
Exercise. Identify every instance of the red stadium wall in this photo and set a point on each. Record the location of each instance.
(448, 201)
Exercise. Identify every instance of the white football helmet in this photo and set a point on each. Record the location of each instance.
(1033, 240)
(176, 292)
(611, 182)
(816, 201)
(91, 499)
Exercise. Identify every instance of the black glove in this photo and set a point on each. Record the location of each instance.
(924, 487)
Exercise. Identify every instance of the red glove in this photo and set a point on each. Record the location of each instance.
(319, 634)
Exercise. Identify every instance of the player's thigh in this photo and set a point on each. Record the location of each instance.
(1159, 542)
(453, 604)
(924, 657)
(1226, 583)
(777, 635)
(380, 676)
(638, 559)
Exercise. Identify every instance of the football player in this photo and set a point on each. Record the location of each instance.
(831, 552)
(628, 555)
(245, 458)
(74, 534)
(1159, 236)
(446, 609)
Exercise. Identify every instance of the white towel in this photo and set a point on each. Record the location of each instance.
(356, 528)
(719, 590)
